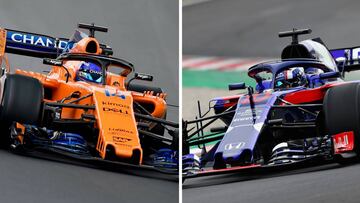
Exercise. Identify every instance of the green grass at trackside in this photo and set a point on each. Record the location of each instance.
(209, 143)
(214, 79)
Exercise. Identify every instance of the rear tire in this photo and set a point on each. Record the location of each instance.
(341, 111)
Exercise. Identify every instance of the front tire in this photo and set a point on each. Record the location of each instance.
(342, 113)
(22, 99)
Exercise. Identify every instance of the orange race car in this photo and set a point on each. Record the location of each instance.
(84, 108)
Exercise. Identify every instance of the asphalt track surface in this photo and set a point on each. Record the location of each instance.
(249, 29)
(141, 31)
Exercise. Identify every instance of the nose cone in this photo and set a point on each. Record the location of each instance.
(244, 156)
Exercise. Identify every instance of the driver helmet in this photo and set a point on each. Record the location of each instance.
(292, 77)
(89, 72)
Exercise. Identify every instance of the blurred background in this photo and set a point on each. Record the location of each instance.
(221, 40)
(144, 32)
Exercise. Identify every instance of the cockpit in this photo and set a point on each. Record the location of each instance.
(84, 60)
(286, 74)
(302, 64)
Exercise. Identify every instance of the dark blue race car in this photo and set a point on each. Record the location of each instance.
(300, 112)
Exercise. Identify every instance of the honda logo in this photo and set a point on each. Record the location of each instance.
(236, 145)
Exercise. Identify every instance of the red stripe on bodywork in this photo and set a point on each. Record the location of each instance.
(232, 100)
(309, 95)
(230, 169)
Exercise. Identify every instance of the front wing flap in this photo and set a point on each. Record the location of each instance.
(259, 169)
(94, 162)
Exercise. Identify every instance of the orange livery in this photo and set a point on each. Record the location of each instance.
(85, 106)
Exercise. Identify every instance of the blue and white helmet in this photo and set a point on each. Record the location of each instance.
(292, 77)
(89, 72)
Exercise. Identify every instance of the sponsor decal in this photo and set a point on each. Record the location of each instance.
(33, 39)
(352, 55)
(113, 107)
(233, 146)
(121, 139)
(144, 76)
(54, 62)
(343, 142)
(355, 54)
(96, 72)
(116, 94)
(246, 112)
(244, 115)
(119, 131)
(246, 119)
(109, 103)
(115, 110)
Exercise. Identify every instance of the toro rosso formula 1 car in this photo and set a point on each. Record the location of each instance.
(84, 108)
(299, 111)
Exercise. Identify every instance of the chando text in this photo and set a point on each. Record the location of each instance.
(33, 39)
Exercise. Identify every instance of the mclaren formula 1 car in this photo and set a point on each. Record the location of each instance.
(298, 111)
(84, 108)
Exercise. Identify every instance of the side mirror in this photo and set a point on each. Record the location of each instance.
(140, 76)
(143, 76)
(106, 50)
(52, 62)
(237, 86)
(329, 75)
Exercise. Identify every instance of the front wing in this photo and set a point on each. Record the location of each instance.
(95, 162)
(260, 169)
